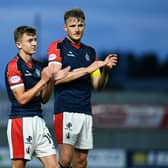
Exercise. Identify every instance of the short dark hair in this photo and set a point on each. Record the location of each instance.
(19, 31)
(76, 12)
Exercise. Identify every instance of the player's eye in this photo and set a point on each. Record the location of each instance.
(81, 25)
(72, 26)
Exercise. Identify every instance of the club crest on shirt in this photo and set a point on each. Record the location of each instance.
(37, 72)
(87, 57)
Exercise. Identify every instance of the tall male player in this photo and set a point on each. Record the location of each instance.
(72, 110)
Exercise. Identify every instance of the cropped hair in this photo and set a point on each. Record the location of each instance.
(76, 12)
(19, 31)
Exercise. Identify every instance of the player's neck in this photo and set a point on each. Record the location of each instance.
(77, 42)
(26, 57)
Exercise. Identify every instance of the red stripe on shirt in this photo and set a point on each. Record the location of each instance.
(17, 138)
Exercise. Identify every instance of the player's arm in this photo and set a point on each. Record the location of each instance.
(81, 72)
(46, 91)
(99, 80)
(54, 58)
(23, 96)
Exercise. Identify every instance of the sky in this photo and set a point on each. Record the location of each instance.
(126, 25)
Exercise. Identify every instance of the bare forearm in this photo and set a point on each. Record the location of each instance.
(73, 75)
(103, 79)
(25, 96)
(111, 61)
(47, 91)
(100, 82)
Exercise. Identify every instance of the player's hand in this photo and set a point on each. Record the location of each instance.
(46, 75)
(61, 73)
(111, 61)
(54, 68)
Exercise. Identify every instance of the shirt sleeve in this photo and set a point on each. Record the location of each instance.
(14, 76)
(54, 54)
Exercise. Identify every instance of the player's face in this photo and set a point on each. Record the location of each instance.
(74, 28)
(27, 44)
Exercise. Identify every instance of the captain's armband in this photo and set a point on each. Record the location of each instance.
(96, 73)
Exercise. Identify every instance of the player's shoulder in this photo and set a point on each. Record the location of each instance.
(88, 47)
(13, 65)
(13, 62)
(56, 42)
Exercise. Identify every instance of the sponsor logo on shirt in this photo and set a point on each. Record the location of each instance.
(28, 73)
(70, 54)
(14, 79)
(52, 57)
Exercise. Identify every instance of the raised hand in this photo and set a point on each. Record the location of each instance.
(46, 74)
(111, 61)
(54, 68)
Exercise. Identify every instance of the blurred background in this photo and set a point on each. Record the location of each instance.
(131, 113)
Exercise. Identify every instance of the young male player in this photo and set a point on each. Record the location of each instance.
(28, 86)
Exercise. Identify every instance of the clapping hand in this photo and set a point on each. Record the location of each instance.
(61, 73)
(111, 61)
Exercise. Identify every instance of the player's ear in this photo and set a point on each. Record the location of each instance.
(65, 28)
(18, 45)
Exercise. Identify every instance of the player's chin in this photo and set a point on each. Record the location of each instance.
(77, 37)
(33, 52)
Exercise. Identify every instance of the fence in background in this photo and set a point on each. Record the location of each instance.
(130, 130)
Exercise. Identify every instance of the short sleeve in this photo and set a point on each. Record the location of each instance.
(14, 76)
(54, 54)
